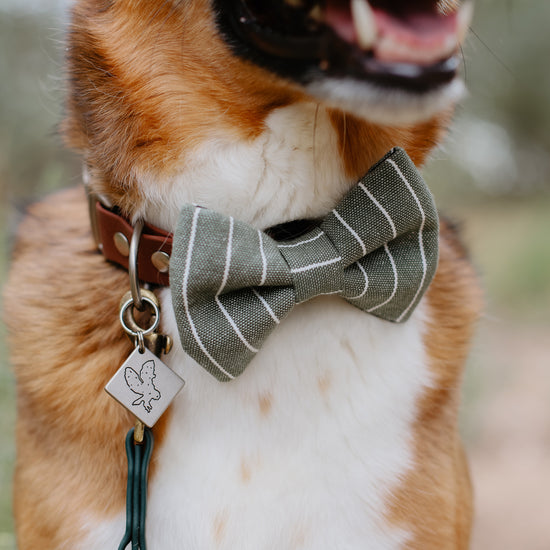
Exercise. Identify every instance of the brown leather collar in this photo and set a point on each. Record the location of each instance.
(113, 234)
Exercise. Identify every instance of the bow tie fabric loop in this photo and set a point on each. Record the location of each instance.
(316, 265)
(232, 284)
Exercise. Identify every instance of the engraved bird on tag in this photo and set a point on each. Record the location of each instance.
(142, 384)
(155, 384)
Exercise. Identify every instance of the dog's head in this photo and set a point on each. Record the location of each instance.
(153, 81)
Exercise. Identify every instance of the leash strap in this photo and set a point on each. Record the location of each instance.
(136, 493)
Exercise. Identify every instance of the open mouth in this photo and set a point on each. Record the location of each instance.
(410, 45)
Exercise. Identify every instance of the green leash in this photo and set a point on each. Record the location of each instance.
(138, 455)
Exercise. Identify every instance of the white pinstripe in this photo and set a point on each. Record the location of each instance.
(227, 256)
(185, 297)
(366, 284)
(267, 306)
(321, 294)
(381, 208)
(357, 238)
(224, 282)
(420, 240)
(264, 259)
(314, 266)
(302, 242)
(395, 281)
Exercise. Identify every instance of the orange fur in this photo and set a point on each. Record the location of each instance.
(435, 498)
(362, 143)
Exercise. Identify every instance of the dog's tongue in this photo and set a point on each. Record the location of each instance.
(410, 37)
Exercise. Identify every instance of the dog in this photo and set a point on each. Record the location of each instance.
(342, 434)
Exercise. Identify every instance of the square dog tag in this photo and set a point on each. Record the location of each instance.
(145, 386)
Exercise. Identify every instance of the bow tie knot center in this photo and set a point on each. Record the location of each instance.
(315, 264)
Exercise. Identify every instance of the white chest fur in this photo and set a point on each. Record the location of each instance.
(305, 448)
(302, 451)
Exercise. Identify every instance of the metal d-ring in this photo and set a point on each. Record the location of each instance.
(133, 268)
(132, 328)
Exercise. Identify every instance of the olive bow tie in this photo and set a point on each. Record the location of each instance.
(232, 284)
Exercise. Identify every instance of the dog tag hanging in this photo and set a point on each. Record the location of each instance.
(145, 386)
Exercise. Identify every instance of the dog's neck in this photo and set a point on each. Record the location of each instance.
(299, 167)
(292, 170)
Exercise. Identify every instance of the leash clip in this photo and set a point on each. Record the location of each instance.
(139, 455)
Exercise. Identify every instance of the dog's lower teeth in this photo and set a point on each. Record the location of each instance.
(364, 23)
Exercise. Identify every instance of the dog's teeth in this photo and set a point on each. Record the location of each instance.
(364, 22)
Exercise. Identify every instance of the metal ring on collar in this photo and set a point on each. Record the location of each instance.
(133, 268)
(130, 325)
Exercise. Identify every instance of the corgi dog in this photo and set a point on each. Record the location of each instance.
(342, 434)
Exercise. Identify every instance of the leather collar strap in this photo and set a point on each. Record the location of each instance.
(113, 234)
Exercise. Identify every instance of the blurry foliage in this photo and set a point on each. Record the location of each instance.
(500, 142)
(493, 172)
(32, 160)
(519, 32)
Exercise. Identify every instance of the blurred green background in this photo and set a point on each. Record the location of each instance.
(492, 176)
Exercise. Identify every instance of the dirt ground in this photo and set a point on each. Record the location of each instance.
(510, 450)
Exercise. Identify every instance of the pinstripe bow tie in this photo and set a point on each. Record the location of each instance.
(232, 284)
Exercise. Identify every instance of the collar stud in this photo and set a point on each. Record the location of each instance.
(161, 261)
(121, 243)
